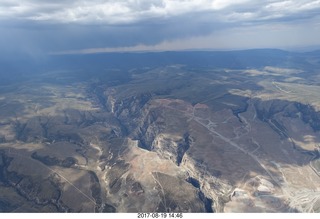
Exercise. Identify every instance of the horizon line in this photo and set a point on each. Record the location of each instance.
(106, 50)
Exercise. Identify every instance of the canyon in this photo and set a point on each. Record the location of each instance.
(173, 137)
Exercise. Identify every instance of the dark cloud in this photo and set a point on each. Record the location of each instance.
(49, 26)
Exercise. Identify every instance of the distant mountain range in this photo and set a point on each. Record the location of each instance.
(21, 66)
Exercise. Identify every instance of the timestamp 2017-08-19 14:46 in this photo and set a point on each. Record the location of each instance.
(160, 215)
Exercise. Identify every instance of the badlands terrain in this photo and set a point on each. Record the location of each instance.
(162, 132)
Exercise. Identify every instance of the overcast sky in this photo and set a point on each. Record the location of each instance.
(90, 26)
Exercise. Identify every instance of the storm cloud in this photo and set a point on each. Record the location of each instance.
(69, 26)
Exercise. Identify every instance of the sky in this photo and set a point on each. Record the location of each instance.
(56, 27)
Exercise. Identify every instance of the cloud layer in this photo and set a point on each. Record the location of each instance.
(83, 24)
(132, 11)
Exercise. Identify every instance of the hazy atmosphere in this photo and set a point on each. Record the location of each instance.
(55, 27)
(160, 106)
